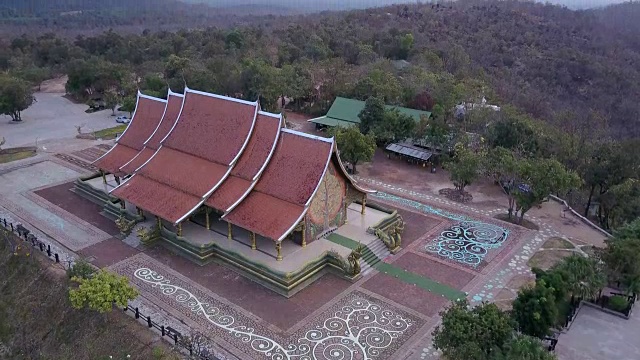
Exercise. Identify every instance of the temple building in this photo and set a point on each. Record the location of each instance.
(217, 178)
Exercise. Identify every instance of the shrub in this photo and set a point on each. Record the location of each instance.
(618, 303)
(81, 269)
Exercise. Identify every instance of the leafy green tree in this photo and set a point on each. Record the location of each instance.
(535, 309)
(153, 82)
(111, 99)
(260, 80)
(16, 95)
(513, 132)
(472, 334)
(354, 146)
(622, 256)
(464, 168)
(81, 269)
(234, 39)
(35, 75)
(537, 179)
(100, 291)
(176, 67)
(394, 127)
(585, 276)
(379, 83)
(406, 44)
(608, 165)
(128, 104)
(502, 166)
(434, 132)
(371, 114)
(555, 279)
(523, 347)
(620, 204)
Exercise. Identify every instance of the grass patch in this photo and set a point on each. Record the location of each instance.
(524, 223)
(547, 258)
(36, 316)
(110, 133)
(19, 153)
(557, 243)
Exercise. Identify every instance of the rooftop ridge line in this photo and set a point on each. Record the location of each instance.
(229, 166)
(149, 97)
(273, 148)
(206, 196)
(170, 92)
(270, 114)
(303, 134)
(222, 97)
(144, 144)
(184, 99)
(255, 179)
(246, 141)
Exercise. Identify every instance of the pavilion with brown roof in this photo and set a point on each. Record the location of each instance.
(211, 154)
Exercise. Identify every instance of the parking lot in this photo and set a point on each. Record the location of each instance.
(52, 116)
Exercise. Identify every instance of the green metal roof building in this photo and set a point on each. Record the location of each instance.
(344, 112)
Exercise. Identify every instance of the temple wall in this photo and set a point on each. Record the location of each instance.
(328, 208)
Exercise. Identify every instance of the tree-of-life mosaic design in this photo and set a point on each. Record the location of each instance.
(468, 242)
(325, 209)
(360, 329)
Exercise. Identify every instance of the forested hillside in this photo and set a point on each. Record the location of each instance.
(568, 85)
(73, 17)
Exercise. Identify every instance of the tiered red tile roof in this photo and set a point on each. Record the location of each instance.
(145, 120)
(171, 113)
(228, 155)
(282, 196)
(251, 164)
(195, 157)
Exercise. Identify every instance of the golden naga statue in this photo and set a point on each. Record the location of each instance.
(125, 225)
(392, 237)
(147, 236)
(354, 261)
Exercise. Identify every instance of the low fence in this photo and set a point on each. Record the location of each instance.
(601, 302)
(195, 346)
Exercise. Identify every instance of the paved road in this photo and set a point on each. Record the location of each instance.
(51, 117)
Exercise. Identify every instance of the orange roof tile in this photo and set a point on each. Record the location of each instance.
(250, 165)
(286, 187)
(145, 119)
(174, 104)
(197, 154)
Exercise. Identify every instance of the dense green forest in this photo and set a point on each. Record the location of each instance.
(568, 85)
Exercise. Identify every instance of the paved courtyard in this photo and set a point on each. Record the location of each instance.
(448, 249)
(596, 335)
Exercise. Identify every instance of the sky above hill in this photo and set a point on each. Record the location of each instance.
(318, 5)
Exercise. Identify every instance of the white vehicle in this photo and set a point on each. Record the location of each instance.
(123, 120)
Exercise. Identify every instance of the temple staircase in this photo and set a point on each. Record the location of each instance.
(372, 254)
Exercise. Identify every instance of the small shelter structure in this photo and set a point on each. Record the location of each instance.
(344, 112)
